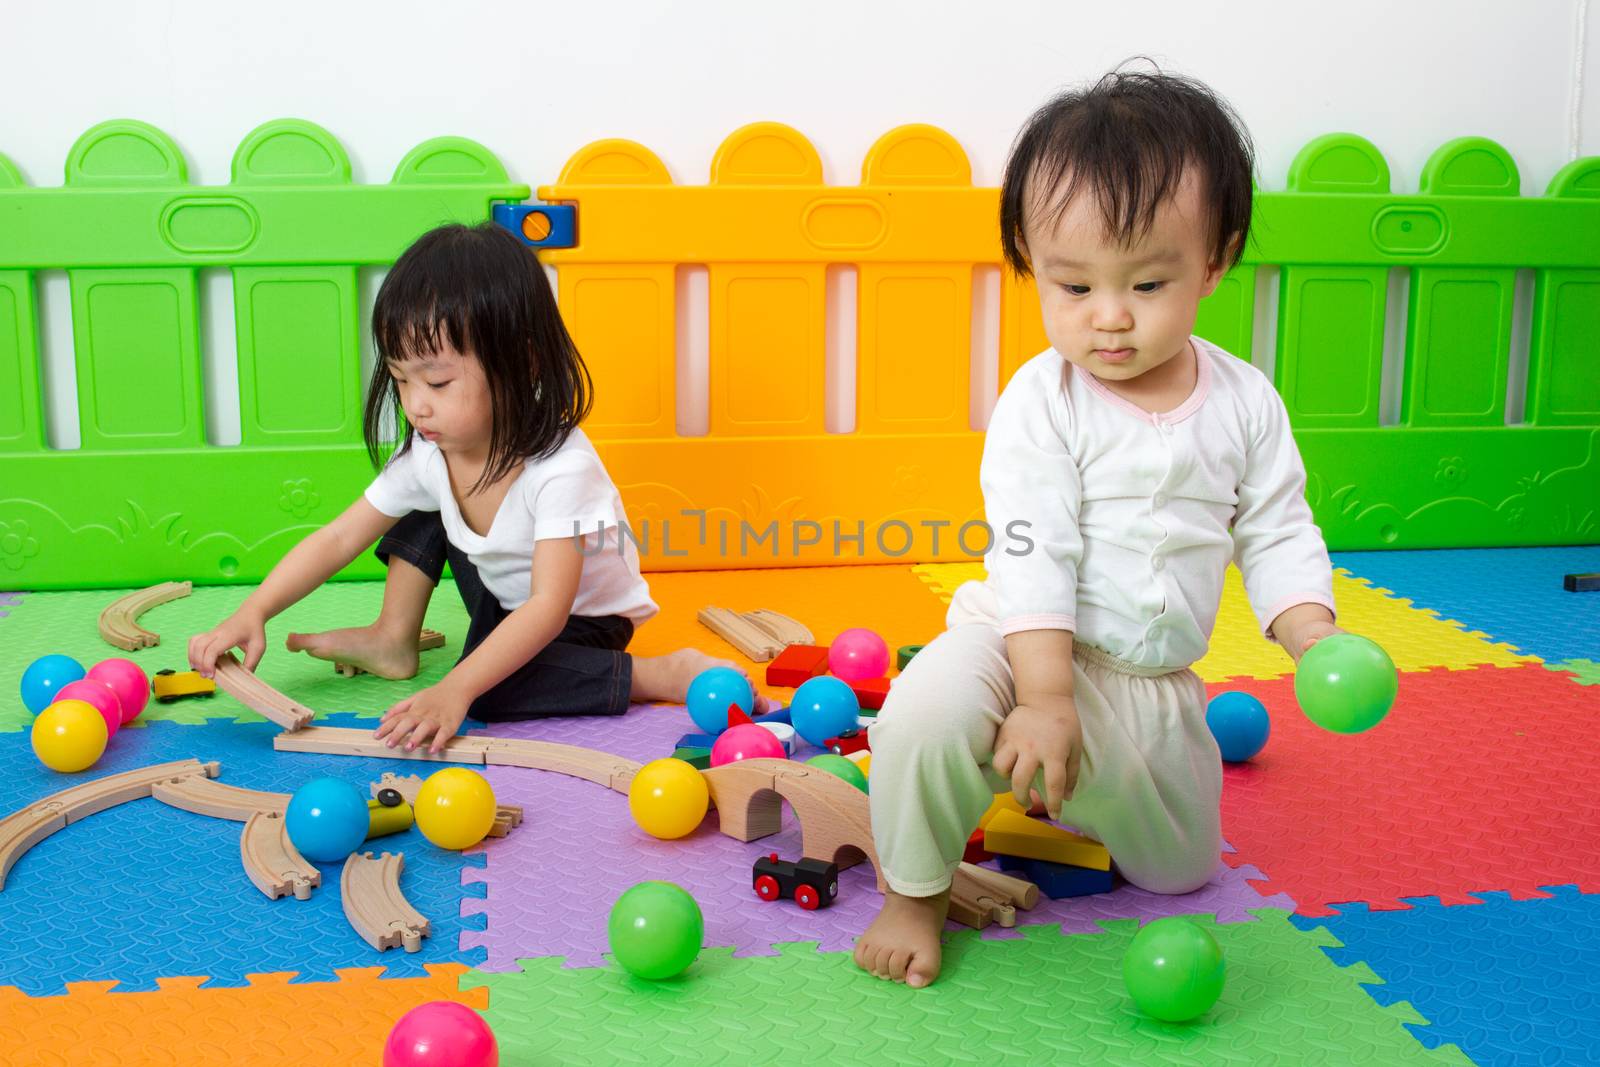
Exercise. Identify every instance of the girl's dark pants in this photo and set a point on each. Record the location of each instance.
(583, 671)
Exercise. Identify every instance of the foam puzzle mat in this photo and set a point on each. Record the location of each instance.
(1424, 893)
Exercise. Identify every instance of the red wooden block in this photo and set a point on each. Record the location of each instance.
(796, 664)
(871, 693)
(975, 852)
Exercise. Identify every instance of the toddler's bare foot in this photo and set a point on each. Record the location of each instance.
(386, 653)
(665, 679)
(903, 941)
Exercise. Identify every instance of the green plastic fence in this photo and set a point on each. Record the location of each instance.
(147, 499)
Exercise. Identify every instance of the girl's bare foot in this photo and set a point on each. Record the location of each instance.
(384, 652)
(665, 679)
(903, 941)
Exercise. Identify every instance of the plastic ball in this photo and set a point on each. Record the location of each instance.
(441, 1033)
(668, 798)
(101, 696)
(840, 767)
(823, 707)
(710, 694)
(1174, 970)
(455, 808)
(69, 735)
(746, 741)
(44, 677)
(857, 655)
(327, 819)
(655, 930)
(1346, 683)
(130, 682)
(1240, 724)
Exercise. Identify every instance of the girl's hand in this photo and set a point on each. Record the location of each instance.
(1043, 735)
(1308, 634)
(435, 712)
(240, 630)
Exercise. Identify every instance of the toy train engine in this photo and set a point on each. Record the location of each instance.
(812, 883)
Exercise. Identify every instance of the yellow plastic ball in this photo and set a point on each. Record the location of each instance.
(668, 798)
(455, 808)
(69, 735)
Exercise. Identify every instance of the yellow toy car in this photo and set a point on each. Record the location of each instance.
(170, 685)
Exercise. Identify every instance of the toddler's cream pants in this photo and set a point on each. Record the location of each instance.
(1149, 781)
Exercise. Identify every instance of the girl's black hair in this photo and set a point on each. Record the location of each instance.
(484, 292)
(1127, 140)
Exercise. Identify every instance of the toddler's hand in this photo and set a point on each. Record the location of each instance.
(436, 712)
(1308, 635)
(1041, 736)
(236, 631)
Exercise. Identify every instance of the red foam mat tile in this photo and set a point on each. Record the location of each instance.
(1478, 780)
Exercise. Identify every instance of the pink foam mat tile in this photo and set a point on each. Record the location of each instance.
(550, 883)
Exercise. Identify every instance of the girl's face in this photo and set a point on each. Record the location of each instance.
(1120, 312)
(446, 399)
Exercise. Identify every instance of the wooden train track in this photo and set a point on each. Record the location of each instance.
(258, 696)
(370, 891)
(271, 861)
(426, 640)
(119, 622)
(506, 816)
(835, 820)
(206, 797)
(26, 827)
(759, 634)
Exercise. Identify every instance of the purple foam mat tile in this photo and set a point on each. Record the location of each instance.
(550, 883)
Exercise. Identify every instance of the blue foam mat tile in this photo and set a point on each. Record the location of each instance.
(144, 891)
(1511, 594)
(1511, 982)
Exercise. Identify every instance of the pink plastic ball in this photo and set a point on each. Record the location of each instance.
(746, 741)
(858, 655)
(441, 1033)
(101, 696)
(130, 682)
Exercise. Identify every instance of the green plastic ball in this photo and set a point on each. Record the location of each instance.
(1346, 683)
(839, 767)
(655, 930)
(1174, 970)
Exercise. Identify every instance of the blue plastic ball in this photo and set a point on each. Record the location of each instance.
(44, 676)
(710, 694)
(823, 707)
(1240, 724)
(327, 819)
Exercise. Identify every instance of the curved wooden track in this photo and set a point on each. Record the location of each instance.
(370, 891)
(206, 797)
(119, 622)
(258, 696)
(271, 861)
(26, 827)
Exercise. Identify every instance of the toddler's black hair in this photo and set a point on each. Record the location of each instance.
(485, 293)
(1126, 140)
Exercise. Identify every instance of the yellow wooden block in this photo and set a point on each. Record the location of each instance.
(861, 757)
(1002, 802)
(1011, 833)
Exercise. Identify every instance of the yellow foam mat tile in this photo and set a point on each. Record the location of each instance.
(887, 599)
(271, 1022)
(1415, 640)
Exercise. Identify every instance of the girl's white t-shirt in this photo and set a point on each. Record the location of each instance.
(553, 497)
(1130, 518)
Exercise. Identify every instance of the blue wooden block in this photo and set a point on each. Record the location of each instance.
(1058, 880)
(781, 715)
(704, 741)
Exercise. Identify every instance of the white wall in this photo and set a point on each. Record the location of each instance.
(536, 83)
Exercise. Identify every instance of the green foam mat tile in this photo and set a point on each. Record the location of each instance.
(1583, 671)
(68, 622)
(1039, 998)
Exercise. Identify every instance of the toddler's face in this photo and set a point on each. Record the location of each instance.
(1120, 312)
(446, 398)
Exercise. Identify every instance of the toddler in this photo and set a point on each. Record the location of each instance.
(1122, 470)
